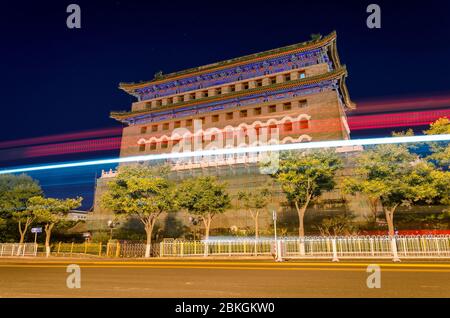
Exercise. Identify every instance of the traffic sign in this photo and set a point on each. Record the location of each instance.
(36, 230)
(274, 215)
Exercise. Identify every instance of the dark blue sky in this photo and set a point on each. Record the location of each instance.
(56, 80)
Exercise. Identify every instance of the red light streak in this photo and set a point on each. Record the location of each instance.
(404, 112)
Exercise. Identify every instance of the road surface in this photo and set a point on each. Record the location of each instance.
(221, 278)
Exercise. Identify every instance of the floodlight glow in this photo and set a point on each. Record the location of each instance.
(227, 151)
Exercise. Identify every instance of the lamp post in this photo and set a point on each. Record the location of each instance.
(278, 257)
(277, 243)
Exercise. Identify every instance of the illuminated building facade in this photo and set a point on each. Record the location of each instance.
(298, 90)
(291, 94)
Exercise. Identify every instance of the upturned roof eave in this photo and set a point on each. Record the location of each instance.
(340, 74)
(299, 47)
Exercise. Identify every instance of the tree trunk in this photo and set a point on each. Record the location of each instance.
(207, 223)
(390, 219)
(301, 227)
(22, 234)
(149, 224)
(48, 233)
(148, 246)
(301, 215)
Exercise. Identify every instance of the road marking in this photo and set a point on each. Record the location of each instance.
(212, 263)
(233, 268)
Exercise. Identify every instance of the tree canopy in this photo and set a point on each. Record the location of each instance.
(255, 201)
(395, 177)
(441, 150)
(204, 197)
(141, 191)
(15, 190)
(304, 176)
(52, 212)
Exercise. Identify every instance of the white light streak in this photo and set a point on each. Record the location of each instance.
(227, 151)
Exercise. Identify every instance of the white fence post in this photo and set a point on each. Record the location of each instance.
(302, 246)
(333, 245)
(394, 250)
(436, 241)
(372, 252)
(279, 251)
(205, 254)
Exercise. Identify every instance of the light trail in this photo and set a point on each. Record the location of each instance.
(401, 119)
(227, 151)
(401, 104)
(105, 132)
(109, 139)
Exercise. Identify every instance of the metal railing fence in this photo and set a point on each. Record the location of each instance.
(356, 247)
(217, 248)
(313, 247)
(17, 249)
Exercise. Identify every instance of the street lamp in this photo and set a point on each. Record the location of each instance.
(278, 257)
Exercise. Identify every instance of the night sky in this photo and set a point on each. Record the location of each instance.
(56, 80)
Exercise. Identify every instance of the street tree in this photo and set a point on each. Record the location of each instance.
(401, 178)
(371, 189)
(15, 190)
(255, 201)
(304, 176)
(440, 150)
(205, 198)
(441, 182)
(52, 212)
(143, 192)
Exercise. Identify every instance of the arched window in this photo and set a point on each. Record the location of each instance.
(287, 126)
(304, 124)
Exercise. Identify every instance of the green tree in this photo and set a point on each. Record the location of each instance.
(52, 212)
(15, 190)
(440, 150)
(372, 189)
(305, 176)
(441, 182)
(143, 192)
(25, 218)
(204, 197)
(401, 178)
(255, 201)
(2, 224)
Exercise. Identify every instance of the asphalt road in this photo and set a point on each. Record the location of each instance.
(221, 278)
